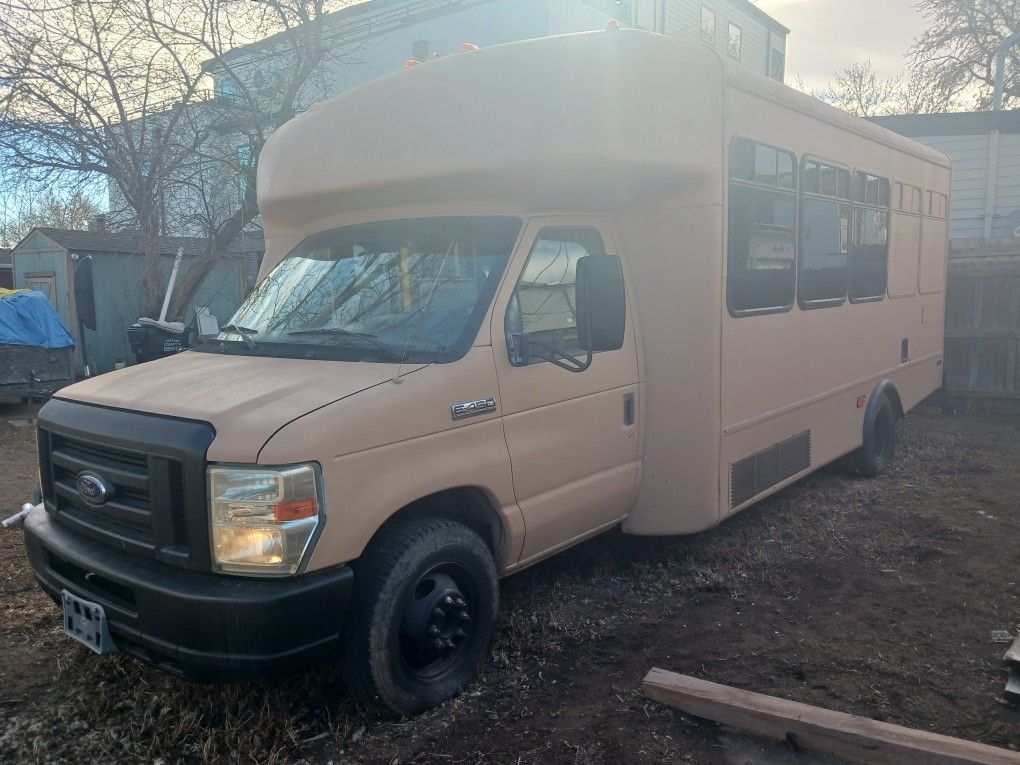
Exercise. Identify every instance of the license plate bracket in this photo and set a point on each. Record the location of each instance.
(85, 622)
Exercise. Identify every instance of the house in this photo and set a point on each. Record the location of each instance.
(985, 202)
(46, 258)
(983, 285)
(6, 269)
(375, 38)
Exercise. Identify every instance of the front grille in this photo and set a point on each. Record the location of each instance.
(127, 515)
(153, 468)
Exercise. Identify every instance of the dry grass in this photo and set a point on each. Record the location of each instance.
(116, 709)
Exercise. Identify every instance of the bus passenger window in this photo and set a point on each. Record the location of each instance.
(869, 250)
(762, 228)
(824, 235)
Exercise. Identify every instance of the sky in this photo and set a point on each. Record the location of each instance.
(827, 35)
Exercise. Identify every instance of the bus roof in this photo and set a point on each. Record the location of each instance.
(590, 121)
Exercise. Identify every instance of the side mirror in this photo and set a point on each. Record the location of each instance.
(601, 303)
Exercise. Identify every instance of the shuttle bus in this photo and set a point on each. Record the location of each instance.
(512, 298)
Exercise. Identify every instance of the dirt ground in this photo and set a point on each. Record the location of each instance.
(877, 598)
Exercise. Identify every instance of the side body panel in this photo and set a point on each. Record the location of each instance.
(804, 370)
(574, 456)
(396, 443)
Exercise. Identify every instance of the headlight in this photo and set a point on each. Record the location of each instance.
(262, 520)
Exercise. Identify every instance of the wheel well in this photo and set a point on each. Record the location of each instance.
(466, 504)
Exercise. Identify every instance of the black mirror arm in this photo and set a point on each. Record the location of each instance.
(564, 360)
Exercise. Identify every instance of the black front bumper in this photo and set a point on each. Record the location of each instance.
(201, 626)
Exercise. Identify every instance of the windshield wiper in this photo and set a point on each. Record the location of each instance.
(338, 332)
(246, 334)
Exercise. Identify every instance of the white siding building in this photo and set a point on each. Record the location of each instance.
(967, 137)
(376, 37)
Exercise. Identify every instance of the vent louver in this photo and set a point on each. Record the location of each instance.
(752, 475)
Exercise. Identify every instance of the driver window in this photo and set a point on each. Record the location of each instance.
(543, 304)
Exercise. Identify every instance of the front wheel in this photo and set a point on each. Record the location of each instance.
(422, 616)
(879, 442)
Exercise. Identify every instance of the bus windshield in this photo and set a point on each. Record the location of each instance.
(403, 290)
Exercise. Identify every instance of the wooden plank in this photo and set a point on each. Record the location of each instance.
(857, 739)
(1013, 654)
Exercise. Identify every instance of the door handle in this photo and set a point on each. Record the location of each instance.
(628, 409)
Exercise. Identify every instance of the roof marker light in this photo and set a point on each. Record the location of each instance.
(465, 47)
(411, 63)
(613, 25)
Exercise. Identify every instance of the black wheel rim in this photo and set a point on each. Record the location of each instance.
(438, 621)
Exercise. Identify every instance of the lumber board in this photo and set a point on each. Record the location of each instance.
(1013, 654)
(853, 738)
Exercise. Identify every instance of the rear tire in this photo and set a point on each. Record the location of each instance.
(879, 442)
(422, 615)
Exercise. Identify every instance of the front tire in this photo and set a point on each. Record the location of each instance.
(422, 615)
(879, 442)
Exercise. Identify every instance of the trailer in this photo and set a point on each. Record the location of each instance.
(36, 350)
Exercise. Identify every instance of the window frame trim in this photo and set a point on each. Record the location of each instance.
(517, 282)
(810, 305)
(715, 26)
(865, 205)
(740, 41)
(795, 192)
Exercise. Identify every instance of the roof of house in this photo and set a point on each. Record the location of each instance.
(5, 257)
(752, 8)
(349, 15)
(953, 123)
(128, 242)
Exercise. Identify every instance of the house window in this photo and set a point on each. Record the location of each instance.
(735, 42)
(244, 157)
(762, 228)
(777, 65)
(707, 26)
(420, 50)
(228, 87)
(869, 252)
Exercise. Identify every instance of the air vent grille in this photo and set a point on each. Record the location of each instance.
(761, 471)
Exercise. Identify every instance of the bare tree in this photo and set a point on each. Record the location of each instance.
(860, 90)
(120, 89)
(957, 51)
(73, 210)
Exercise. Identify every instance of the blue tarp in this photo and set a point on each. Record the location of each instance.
(28, 318)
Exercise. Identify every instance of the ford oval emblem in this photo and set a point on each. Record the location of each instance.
(92, 488)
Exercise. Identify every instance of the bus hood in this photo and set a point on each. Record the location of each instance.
(245, 398)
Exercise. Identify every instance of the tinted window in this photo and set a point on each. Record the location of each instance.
(824, 227)
(543, 303)
(413, 289)
(762, 228)
(869, 253)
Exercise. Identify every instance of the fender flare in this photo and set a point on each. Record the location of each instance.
(883, 388)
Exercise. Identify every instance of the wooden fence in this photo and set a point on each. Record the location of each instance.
(983, 329)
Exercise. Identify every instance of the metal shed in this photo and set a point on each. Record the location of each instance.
(44, 261)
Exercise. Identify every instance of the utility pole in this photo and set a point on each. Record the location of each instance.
(993, 140)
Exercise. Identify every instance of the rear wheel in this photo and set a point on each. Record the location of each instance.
(879, 442)
(423, 613)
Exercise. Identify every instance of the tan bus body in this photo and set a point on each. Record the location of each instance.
(621, 138)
